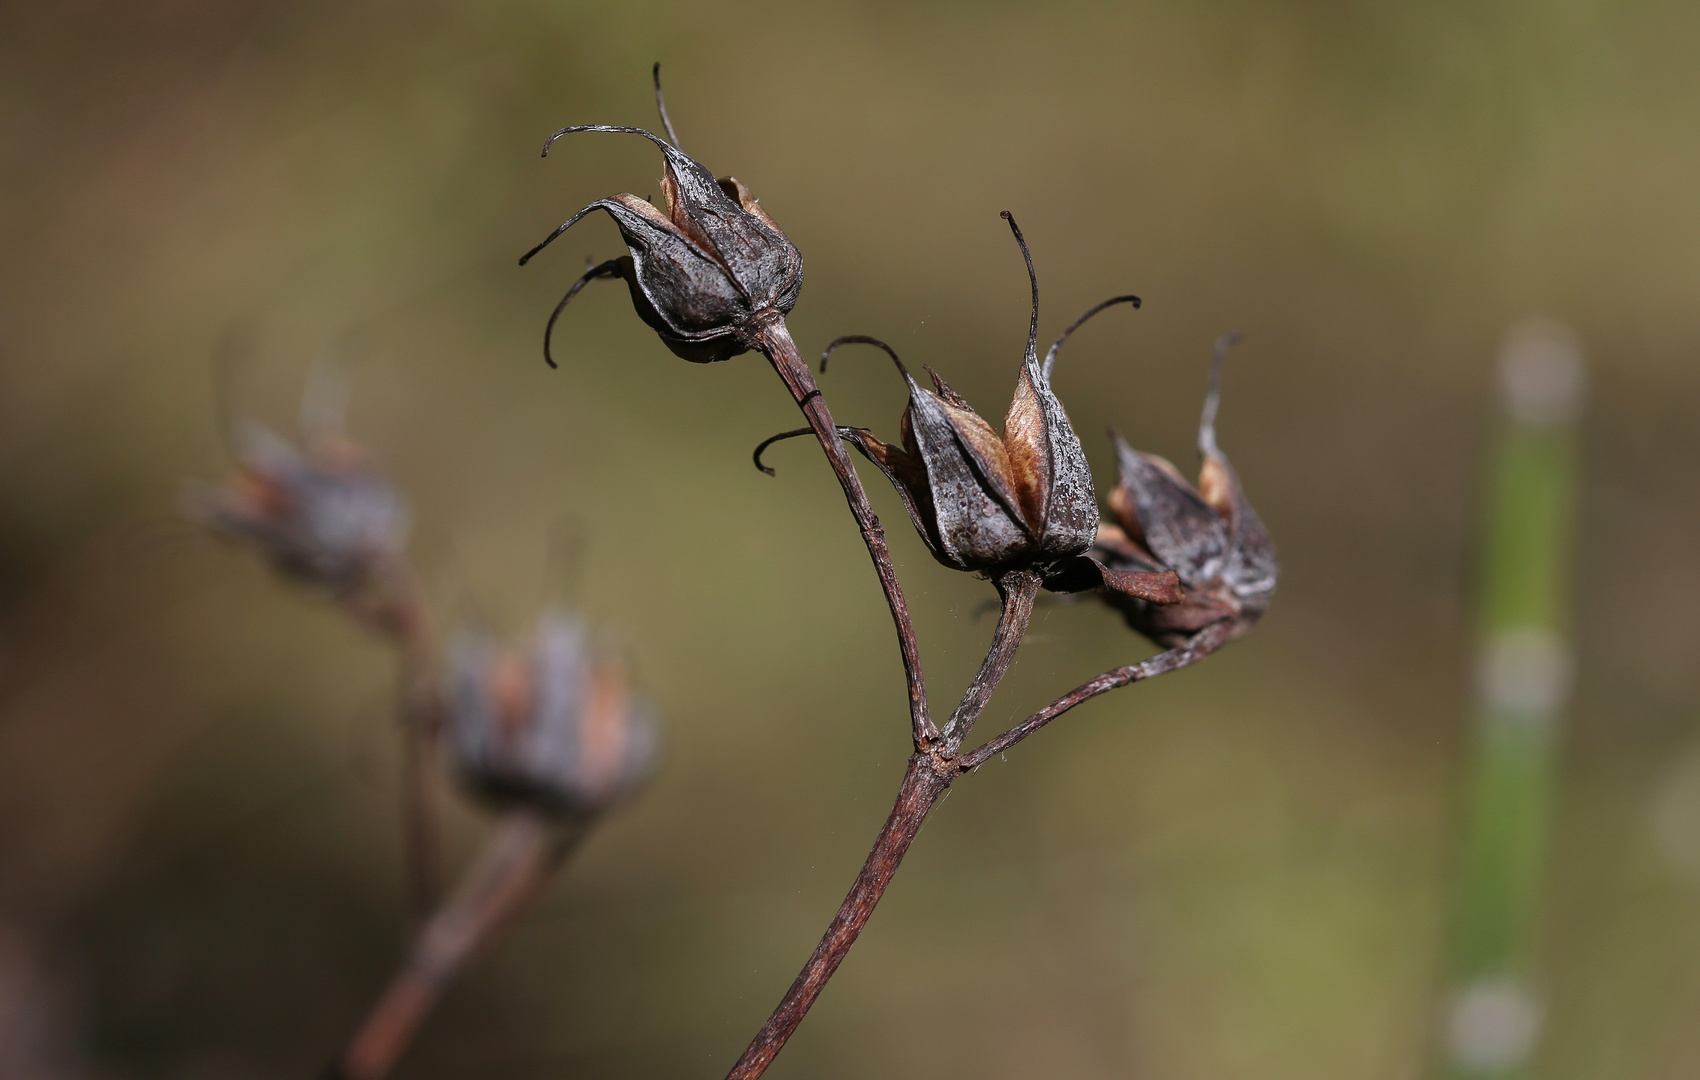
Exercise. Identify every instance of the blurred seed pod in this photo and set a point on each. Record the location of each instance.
(322, 513)
(1208, 535)
(556, 729)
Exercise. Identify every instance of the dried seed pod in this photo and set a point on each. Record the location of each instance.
(707, 272)
(989, 502)
(322, 513)
(557, 730)
(1209, 535)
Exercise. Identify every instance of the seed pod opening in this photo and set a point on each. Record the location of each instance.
(988, 502)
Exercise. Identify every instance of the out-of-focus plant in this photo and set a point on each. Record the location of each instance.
(1190, 568)
(323, 515)
(1524, 674)
(549, 738)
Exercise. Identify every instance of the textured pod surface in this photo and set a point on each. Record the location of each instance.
(706, 271)
(1168, 515)
(1049, 465)
(984, 500)
(1209, 536)
(976, 518)
(1249, 568)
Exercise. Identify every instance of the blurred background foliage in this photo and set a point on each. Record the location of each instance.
(1239, 871)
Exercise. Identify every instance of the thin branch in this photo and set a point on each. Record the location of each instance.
(774, 341)
(508, 876)
(922, 786)
(399, 612)
(1202, 644)
(936, 761)
(1016, 590)
(927, 778)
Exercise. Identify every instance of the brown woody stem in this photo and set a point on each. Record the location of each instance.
(922, 786)
(774, 341)
(422, 782)
(1202, 644)
(399, 612)
(1016, 589)
(936, 761)
(928, 776)
(507, 877)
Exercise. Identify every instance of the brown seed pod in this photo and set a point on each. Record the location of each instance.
(1209, 535)
(707, 271)
(988, 502)
(556, 730)
(320, 513)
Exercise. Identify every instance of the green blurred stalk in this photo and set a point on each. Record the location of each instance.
(1494, 1019)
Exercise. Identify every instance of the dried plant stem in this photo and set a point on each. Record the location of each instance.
(510, 873)
(927, 778)
(401, 614)
(929, 774)
(1016, 591)
(422, 801)
(774, 341)
(1202, 644)
(922, 785)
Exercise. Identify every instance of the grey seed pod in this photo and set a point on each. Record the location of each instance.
(323, 514)
(989, 502)
(556, 730)
(708, 271)
(1209, 535)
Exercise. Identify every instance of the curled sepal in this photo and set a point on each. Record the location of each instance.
(846, 433)
(708, 270)
(1083, 573)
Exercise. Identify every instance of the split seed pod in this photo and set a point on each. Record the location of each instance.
(1209, 535)
(323, 514)
(989, 502)
(556, 730)
(708, 271)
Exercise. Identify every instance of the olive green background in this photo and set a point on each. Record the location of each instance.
(1239, 871)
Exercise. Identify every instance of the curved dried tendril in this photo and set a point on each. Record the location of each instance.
(600, 203)
(1051, 353)
(611, 268)
(561, 228)
(844, 432)
(614, 129)
(862, 339)
(1033, 280)
(661, 107)
(1207, 421)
